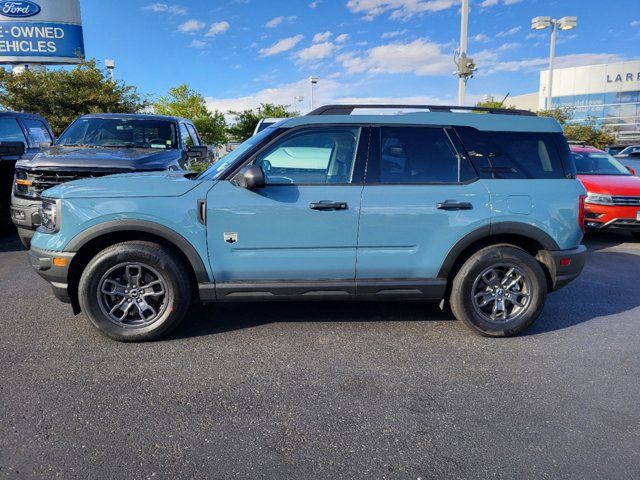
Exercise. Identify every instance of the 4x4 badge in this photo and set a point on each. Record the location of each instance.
(231, 237)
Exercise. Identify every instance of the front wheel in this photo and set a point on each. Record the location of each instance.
(499, 291)
(134, 291)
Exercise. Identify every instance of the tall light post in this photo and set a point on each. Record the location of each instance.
(465, 64)
(111, 66)
(297, 99)
(312, 81)
(540, 23)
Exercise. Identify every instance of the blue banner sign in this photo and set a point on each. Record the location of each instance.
(31, 41)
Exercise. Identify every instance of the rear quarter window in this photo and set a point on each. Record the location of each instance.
(514, 155)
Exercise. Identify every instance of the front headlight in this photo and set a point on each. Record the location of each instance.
(49, 216)
(597, 199)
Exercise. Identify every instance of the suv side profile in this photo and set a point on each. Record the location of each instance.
(479, 208)
(101, 144)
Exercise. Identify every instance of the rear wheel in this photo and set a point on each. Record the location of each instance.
(134, 291)
(499, 291)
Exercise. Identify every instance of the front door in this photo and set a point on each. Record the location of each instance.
(302, 227)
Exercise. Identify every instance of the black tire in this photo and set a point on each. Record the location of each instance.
(470, 289)
(25, 241)
(150, 260)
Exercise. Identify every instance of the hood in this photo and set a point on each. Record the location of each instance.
(128, 185)
(90, 158)
(623, 185)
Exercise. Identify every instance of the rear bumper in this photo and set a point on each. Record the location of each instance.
(564, 265)
(55, 273)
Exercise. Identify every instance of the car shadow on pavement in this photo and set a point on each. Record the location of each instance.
(9, 242)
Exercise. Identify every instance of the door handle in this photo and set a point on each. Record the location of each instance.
(453, 205)
(328, 205)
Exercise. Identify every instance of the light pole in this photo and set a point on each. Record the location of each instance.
(297, 99)
(465, 64)
(540, 23)
(312, 81)
(111, 66)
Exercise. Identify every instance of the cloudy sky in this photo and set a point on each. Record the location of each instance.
(239, 53)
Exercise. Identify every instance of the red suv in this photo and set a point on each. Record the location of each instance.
(613, 192)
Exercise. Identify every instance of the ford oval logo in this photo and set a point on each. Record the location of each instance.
(19, 8)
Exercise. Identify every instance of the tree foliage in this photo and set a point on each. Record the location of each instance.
(246, 121)
(61, 95)
(181, 101)
(586, 132)
(491, 103)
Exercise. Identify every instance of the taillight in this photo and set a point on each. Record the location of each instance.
(581, 211)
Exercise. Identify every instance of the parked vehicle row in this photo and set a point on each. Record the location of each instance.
(98, 145)
(483, 211)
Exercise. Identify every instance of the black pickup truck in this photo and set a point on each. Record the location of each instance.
(102, 144)
(22, 135)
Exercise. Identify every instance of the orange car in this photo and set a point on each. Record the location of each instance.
(613, 192)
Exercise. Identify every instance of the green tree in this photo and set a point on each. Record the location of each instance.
(492, 103)
(181, 101)
(586, 132)
(61, 95)
(246, 121)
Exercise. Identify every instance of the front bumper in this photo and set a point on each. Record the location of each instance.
(25, 214)
(612, 217)
(54, 268)
(564, 265)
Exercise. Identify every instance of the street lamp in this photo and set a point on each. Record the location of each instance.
(466, 65)
(312, 81)
(540, 23)
(297, 99)
(110, 65)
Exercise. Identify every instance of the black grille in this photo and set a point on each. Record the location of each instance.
(44, 179)
(626, 201)
(626, 223)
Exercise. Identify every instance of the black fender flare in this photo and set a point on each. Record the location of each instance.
(487, 231)
(143, 226)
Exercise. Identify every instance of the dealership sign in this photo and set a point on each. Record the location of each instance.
(46, 31)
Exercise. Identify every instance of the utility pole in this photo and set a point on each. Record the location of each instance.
(312, 81)
(111, 66)
(466, 67)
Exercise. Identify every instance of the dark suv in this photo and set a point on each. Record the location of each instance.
(21, 136)
(97, 145)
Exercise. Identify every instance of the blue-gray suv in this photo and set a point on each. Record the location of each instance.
(478, 208)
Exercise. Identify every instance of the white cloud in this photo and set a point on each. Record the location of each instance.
(217, 28)
(508, 46)
(481, 37)
(635, 23)
(274, 22)
(511, 31)
(396, 33)
(314, 4)
(191, 26)
(164, 8)
(493, 3)
(398, 9)
(420, 57)
(321, 37)
(281, 45)
(198, 44)
(343, 37)
(531, 64)
(317, 51)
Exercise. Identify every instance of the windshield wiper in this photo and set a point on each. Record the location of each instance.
(86, 145)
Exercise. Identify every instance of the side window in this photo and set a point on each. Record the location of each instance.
(512, 154)
(10, 131)
(187, 141)
(414, 155)
(316, 156)
(194, 135)
(38, 132)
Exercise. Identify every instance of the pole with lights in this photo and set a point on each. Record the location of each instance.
(540, 23)
(312, 81)
(111, 66)
(465, 64)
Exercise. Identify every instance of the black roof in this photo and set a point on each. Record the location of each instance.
(20, 114)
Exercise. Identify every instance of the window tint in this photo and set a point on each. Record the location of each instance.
(187, 141)
(512, 154)
(194, 134)
(418, 155)
(10, 131)
(38, 132)
(317, 156)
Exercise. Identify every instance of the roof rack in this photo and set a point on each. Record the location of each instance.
(348, 109)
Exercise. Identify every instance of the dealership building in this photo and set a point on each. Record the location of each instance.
(609, 93)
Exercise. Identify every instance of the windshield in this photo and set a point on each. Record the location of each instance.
(598, 163)
(120, 132)
(216, 170)
(628, 150)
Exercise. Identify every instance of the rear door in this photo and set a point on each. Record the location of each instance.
(303, 225)
(421, 196)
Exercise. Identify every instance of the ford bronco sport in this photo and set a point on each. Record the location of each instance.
(101, 144)
(476, 207)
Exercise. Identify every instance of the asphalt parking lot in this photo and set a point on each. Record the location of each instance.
(326, 390)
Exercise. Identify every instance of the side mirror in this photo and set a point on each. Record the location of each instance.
(198, 152)
(12, 149)
(251, 177)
